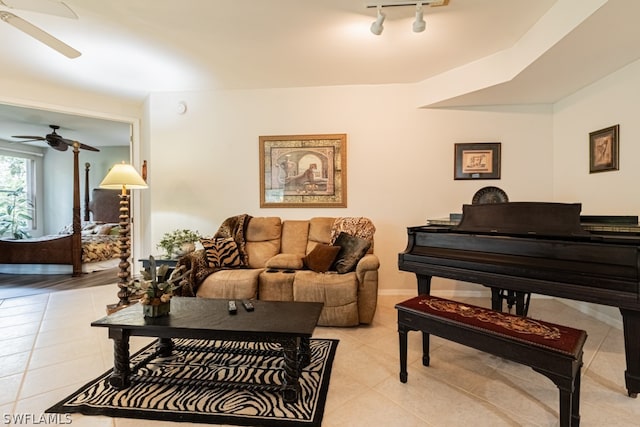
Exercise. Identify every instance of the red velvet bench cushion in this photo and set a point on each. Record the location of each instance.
(562, 339)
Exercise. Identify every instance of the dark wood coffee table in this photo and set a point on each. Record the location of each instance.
(289, 324)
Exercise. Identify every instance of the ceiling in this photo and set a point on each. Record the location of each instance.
(131, 48)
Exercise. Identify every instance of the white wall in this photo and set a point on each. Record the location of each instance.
(613, 100)
(203, 165)
(610, 101)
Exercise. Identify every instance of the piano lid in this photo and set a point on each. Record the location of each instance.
(523, 218)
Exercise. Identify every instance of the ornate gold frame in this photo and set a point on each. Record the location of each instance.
(307, 171)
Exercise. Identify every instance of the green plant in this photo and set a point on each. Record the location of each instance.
(15, 214)
(173, 240)
(157, 283)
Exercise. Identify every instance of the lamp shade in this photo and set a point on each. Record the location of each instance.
(123, 175)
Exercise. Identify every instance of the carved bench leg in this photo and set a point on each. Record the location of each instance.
(575, 404)
(402, 335)
(426, 360)
(566, 398)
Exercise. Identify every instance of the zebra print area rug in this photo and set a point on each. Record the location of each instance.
(161, 389)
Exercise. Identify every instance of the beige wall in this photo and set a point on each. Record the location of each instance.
(204, 164)
(613, 100)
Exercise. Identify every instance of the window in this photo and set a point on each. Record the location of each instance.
(17, 188)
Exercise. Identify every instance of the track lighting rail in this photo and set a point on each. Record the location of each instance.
(374, 4)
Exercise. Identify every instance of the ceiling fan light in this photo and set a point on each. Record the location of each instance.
(419, 25)
(377, 27)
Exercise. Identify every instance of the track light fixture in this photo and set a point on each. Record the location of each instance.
(419, 25)
(377, 27)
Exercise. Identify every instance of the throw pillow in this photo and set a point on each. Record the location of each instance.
(321, 257)
(222, 253)
(351, 250)
(285, 261)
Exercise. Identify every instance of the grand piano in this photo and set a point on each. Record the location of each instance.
(540, 248)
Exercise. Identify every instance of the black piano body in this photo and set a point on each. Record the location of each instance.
(539, 248)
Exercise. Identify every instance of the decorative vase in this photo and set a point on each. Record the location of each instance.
(156, 310)
(184, 249)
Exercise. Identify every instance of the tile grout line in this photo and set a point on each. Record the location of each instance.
(33, 347)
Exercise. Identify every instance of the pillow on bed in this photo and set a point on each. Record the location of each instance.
(67, 229)
(103, 229)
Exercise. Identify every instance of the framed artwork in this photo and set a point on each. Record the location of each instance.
(303, 171)
(479, 160)
(603, 149)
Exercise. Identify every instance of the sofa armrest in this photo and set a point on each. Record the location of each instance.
(367, 262)
(367, 274)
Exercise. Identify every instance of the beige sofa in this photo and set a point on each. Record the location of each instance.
(276, 252)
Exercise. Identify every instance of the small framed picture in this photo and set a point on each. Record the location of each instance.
(479, 160)
(604, 149)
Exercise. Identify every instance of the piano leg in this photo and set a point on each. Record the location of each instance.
(496, 299)
(631, 325)
(424, 284)
(424, 288)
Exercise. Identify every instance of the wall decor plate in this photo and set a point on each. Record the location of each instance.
(489, 195)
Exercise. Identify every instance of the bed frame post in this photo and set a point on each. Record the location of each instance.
(76, 242)
(86, 191)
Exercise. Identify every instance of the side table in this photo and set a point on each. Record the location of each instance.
(159, 261)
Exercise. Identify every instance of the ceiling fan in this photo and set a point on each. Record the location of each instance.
(49, 7)
(56, 141)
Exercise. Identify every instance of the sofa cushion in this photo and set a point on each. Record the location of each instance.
(262, 240)
(222, 253)
(351, 250)
(285, 262)
(294, 237)
(320, 229)
(231, 284)
(321, 258)
(338, 292)
(275, 286)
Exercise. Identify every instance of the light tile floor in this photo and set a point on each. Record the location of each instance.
(48, 350)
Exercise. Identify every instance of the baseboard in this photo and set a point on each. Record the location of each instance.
(593, 311)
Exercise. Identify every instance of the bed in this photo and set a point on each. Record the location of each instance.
(85, 246)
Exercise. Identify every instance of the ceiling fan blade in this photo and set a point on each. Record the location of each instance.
(39, 34)
(88, 147)
(49, 7)
(32, 138)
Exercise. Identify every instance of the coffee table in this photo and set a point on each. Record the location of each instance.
(289, 324)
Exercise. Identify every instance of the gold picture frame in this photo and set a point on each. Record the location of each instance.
(604, 149)
(303, 171)
(480, 160)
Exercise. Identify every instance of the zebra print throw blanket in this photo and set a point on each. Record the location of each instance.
(175, 388)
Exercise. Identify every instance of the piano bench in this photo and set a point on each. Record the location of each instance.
(555, 351)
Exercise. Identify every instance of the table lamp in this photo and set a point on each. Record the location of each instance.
(123, 177)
